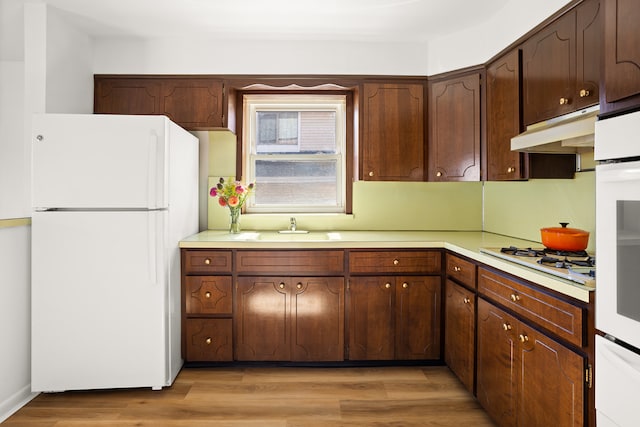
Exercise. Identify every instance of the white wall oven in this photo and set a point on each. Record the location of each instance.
(617, 149)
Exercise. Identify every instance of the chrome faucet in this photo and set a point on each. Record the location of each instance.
(292, 224)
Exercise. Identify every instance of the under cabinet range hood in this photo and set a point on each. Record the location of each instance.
(571, 133)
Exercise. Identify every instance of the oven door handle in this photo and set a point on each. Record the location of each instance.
(611, 351)
(619, 175)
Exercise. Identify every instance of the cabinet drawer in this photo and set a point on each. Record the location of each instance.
(461, 270)
(203, 262)
(423, 262)
(560, 317)
(291, 262)
(209, 340)
(209, 295)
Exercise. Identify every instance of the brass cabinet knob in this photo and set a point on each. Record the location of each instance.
(208, 340)
(466, 300)
(396, 262)
(523, 338)
(511, 169)
(457, 269)
(506, 326)
(584, 93)
(387, 285)
(299, 286)
(371, 173)
(515, 297)
(564, 101)
(438, 173)
(405, 285)
(207, 294)
(281, 285)
(207, 261)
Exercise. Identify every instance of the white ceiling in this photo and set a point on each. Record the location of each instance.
(353, 20)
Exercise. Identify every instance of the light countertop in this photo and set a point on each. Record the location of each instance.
(466, 243)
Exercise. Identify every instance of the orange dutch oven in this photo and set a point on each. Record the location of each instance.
(564, 238)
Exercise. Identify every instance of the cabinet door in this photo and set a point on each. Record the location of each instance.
(454, 129)
(208, 295)
(393, 132)
(193, 103)
(371, 318)
(496, 369)
(503, 117)
(208, 340)
(317, 319)
(262, 319)
(460, 332)
(549, 70)
(550, 384)
(589, 53)
(621, 52)
(126, 96)
(417, 310)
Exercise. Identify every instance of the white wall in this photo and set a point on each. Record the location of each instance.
(202, 56)
(69, 74)
(478, 44)
(47, 68)
(14, 188)
(15, 319)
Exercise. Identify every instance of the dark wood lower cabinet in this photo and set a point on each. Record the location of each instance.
(459, 338)
(289, 319)
(525, 378)
(394, 317)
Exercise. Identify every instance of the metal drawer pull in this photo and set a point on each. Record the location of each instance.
(396, 262)
(387, 285)
(371, 173)
(457, 269)
(299, 286)
(281, 285)
(506, 326)
(207, 261)
(523, 338)
(584, 93)
(207, 294)
(515, 297)
(208, 341)
(564, 101)
(511, 169)
(405, 285)
(466, 300)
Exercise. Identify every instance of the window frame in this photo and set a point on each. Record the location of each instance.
(348, 150)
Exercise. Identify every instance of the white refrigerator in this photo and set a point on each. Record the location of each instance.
(112, 195)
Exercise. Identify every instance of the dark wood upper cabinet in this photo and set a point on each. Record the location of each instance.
(549, 70)
(393, 143)
(621, 55)
(454, 128)
(503, 118)
(561, 64)
(193, 103)
(503, 123)
(589, 53)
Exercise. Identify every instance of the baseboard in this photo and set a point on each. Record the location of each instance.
(9, 406)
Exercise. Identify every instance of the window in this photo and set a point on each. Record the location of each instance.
(294, 149)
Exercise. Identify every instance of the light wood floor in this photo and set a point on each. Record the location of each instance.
(270, 397)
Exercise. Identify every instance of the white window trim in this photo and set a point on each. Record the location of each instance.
(289, 102)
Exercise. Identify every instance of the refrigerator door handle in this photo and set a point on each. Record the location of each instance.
(152, 248)
(152, 171)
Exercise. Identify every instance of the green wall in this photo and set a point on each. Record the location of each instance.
(518, 209)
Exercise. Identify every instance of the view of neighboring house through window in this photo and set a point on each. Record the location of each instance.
(294, 149)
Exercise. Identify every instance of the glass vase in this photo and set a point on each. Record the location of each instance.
(234, 220)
